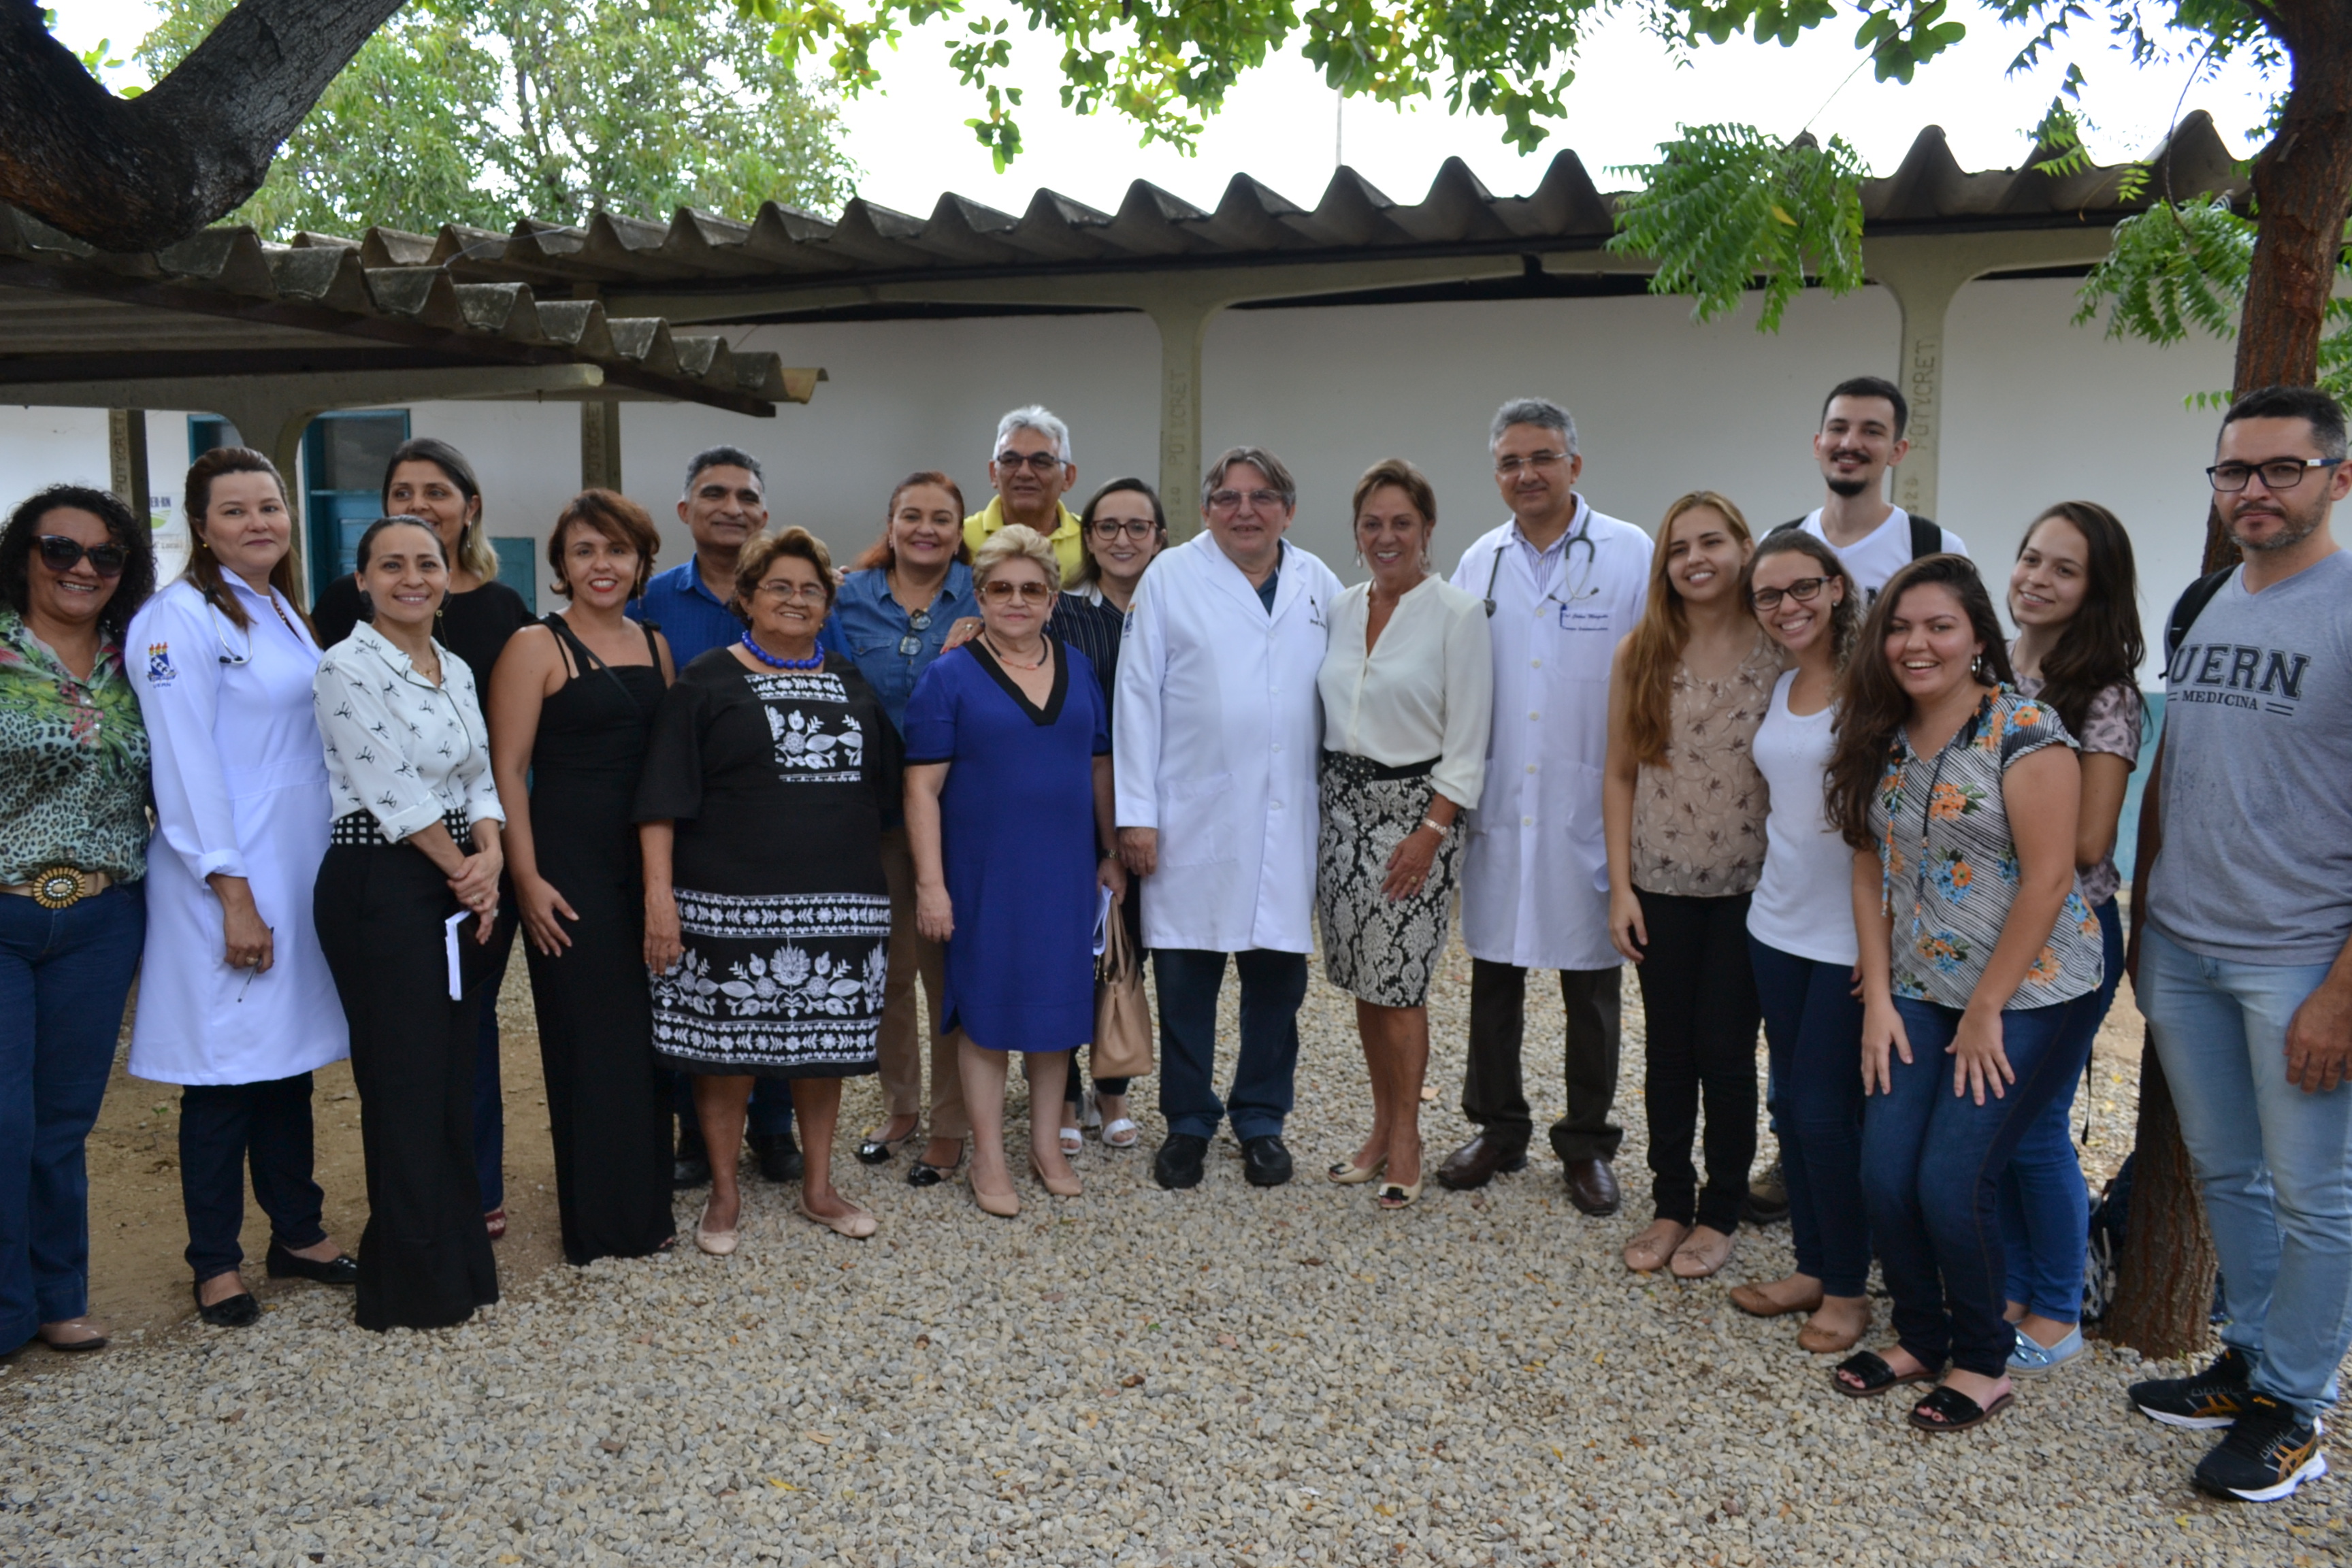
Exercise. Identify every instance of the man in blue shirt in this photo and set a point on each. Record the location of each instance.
(724, 507)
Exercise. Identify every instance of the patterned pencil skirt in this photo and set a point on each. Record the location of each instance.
(1380, 951)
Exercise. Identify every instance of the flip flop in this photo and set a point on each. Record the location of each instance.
(1876, 1376)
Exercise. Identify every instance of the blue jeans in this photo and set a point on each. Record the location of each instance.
(63, 976)
(1812, 1031)
(2045, 1206)
(1931, 1166)
(2274, 1162)
(1273, 985)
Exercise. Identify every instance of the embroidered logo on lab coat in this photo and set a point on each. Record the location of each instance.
(159, 664)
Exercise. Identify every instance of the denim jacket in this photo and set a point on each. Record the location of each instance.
(870, 627)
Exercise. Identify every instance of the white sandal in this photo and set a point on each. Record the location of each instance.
(1089, 1112)
(1074, 1141)
(1120, 1134)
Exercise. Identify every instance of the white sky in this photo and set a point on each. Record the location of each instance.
(911, 143)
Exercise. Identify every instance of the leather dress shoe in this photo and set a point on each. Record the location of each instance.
(1264, 1161)
(1480, 1161)
(340, 1269)
(692, 1168)
(1178, 1164)
(780, 1157)
(1592, 1186)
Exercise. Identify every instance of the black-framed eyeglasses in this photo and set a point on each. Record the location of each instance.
(2278, 473)
(1043, 462)
(919, 622)
(1805, 590)
(1109, 528)
(61, 555)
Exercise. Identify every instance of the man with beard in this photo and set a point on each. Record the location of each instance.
(2244, 969)
(1860, 439)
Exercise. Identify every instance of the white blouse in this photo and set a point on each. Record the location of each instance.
(398, 747)
(1426, 690)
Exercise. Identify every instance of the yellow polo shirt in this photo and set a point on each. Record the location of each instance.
(1068, 550)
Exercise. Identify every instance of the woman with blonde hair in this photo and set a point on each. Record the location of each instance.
(1408, 689)
(1683, 811)
(1008, 805)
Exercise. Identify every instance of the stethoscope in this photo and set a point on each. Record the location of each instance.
(1580, 586)
(220, 631)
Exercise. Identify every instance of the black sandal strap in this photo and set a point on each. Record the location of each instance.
(1871, 1368)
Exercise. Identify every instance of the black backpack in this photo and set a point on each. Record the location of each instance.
(2189, 606)
(1926, 538)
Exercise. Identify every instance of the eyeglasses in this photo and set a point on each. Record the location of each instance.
(1109, 528)
(1000, 591)
(1042, 462)
(919, 622)
(1805, 590)
(1511, 468)
(2278, 474)
(1259, 500)
(61, 555)
(806, 592)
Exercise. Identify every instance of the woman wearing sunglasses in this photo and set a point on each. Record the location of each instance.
(891, 618)
(1120, 529)
(235, 1002)
(74, 567)
(1008, 806)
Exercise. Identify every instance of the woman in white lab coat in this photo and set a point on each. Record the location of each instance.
(234, 1001)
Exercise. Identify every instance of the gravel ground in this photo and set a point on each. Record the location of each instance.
(1224, 1377)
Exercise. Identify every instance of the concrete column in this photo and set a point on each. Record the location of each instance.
(600, 445)
(126, 453)
(1183, 323)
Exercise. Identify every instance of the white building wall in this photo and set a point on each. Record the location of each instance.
(2036, 410)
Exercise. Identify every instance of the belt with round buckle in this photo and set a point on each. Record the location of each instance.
(60, 887)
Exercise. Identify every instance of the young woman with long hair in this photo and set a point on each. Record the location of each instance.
(1801, 944)
(1980, 965)
(2074, 597)
(1683, 813)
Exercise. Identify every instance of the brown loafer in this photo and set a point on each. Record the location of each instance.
(1480, 1161)
(1592, 1186)
(1752, 1300)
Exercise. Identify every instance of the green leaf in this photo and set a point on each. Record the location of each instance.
(1727, 209)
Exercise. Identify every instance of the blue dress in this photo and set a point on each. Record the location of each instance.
(1017, 833)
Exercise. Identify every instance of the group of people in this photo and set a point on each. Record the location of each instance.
(739, 810)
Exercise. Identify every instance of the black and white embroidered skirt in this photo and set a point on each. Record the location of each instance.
(779, 986)
(1378, 951)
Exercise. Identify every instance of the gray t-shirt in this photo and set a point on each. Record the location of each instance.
(2256, 866)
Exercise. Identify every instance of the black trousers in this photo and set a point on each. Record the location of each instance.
(1494, 1093)
(1699, 996)
(424, 1259)
(223, 1128)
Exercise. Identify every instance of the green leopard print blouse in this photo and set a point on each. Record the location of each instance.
(73, 762)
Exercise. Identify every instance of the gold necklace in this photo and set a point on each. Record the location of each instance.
(1005, 660)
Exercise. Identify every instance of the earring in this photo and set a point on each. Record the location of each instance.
(367, 605)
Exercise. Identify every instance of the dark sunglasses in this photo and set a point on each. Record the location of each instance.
(61, 555)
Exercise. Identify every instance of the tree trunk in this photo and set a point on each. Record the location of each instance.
(2302, 182)
(133, 175)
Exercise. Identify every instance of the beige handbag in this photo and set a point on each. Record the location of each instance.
(1122, 1046)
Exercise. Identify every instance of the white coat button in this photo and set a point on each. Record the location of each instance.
(1531, 767)
(1535, 664)
(1278, 745)
(1526, 822)
(1535, 715)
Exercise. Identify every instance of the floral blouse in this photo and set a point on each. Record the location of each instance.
(2113, 725)
(1698, 818)
(1949, 865)
(73, 762)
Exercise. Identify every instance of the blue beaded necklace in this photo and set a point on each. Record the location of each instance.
(815, 661)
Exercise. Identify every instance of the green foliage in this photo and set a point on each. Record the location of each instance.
(483, 111)
(1726, 204)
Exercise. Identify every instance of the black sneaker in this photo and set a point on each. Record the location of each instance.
(2214, 1397)
(2272, 1450)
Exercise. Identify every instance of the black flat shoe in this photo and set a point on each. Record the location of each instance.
(924, 1174)
(873, 1151)
(233, 1313)
(340, 1269)
(1264, 1161)
(1872, 1376)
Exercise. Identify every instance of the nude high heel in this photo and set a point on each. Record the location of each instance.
(1060, 1186)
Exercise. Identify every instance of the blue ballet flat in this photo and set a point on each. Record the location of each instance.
(2031, 1359)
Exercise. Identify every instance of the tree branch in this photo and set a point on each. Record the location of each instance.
(131, 174)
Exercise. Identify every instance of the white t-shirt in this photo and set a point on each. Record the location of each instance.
(1803, 903)
(1880, 554)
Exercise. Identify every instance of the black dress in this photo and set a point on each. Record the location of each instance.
(776, 780)
(607, 1105)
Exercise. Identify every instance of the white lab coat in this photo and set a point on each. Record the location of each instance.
(240, 788)
(1216, 732)
(1535, 874)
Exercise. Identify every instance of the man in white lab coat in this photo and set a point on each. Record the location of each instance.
(1562, 584)
(1215, 736)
